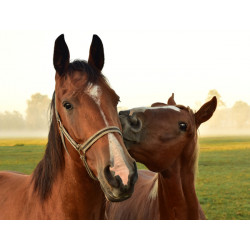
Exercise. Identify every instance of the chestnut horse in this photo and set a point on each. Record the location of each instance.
(85, 158)
(164, 138)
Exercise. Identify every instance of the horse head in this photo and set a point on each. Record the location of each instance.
(86, 111)
(156, 136)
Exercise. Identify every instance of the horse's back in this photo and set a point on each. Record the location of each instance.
(7, 178)
(141, 205)
(13, 189)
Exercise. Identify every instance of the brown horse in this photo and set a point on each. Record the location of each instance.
(85, 158)
(164, 138)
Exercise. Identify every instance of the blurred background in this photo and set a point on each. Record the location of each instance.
(143, 67)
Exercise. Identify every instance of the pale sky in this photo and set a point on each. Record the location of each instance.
(150, 50)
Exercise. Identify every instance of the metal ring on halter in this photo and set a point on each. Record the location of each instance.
(85, 146)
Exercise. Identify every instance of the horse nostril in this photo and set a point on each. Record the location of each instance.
(135, 123)
(112, 180)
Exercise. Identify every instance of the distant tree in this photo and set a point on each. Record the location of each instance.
(240, 114)
(37, 111)
(212, 93)
(11, 121)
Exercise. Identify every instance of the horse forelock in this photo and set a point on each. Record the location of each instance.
(94, 80)
(82, 66)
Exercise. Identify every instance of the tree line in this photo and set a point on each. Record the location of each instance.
(225, 120)
(234, 120)
(36, 118)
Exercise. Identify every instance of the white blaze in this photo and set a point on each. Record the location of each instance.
(115, 149)
(116, 153)
(94, 92)
(143, 109)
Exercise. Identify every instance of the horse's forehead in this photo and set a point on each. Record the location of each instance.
(78, 87)
(144, 109)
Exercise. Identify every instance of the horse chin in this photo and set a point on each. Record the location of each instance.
(111, 196)
(116, 199)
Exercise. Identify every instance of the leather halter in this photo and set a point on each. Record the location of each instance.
(82, 148)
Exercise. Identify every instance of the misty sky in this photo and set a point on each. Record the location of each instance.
(147, 57)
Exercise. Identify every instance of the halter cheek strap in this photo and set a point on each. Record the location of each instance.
(82, 148)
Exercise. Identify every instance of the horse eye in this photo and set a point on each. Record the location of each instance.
(183, 126)
(67, 105)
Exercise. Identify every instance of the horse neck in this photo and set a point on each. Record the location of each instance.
(62, 183)
(61, 178)
(82, 196)
(176, 188)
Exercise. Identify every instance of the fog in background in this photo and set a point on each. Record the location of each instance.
(226, 120)
(151, 50)
(35, 123)
(233, 120)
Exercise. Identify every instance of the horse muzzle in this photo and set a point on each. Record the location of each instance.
(113, 185)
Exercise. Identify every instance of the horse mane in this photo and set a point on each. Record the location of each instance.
(197, 149)
(53, 161)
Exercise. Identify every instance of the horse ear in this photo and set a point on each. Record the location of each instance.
(61, 55)
(205, 112)
(158, 104)
(171, 100)
(96, 53)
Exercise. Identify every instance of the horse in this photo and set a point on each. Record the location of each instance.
(164, 138)
(85, 159)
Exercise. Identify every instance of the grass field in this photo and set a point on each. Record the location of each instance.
(223, 179)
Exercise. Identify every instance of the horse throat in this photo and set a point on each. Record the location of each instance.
(176, 191)
(82, 197)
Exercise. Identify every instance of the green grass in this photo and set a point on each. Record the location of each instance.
(223, 178)
(223, 184)
(20, 158)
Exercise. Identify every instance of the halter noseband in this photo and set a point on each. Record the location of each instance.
(82, 148)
